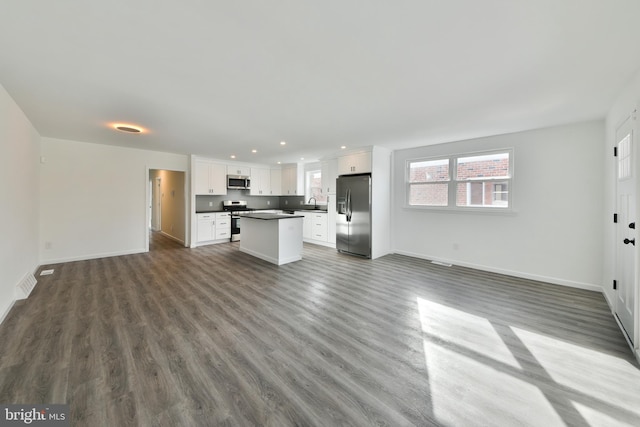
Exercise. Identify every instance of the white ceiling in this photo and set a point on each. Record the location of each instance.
(223, 77)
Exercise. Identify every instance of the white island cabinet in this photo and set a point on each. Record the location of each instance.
(272, 237)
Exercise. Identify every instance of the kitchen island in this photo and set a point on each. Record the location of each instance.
(274, 238)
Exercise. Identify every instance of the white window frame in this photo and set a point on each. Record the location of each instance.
(307, 186)
(453, 182)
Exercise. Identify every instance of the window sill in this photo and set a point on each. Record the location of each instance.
(463, 210)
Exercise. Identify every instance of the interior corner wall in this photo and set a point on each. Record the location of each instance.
(19, 161)
(94, 198)
(556, 232)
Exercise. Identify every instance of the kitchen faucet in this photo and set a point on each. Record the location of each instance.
(315, 202)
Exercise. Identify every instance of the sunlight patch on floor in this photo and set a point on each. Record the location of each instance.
(441, 322)
(587, 372)
(504, 375)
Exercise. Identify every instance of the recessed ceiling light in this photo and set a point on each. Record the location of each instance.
(301, 158)
(283, 143)
(233, 156)
(254, 151)
(343, 147)
(279, 162)
(127, 128)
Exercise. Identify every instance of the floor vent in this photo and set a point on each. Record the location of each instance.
(25, 286)
(444, 264)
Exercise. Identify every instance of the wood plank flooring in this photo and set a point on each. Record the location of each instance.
(212, 336)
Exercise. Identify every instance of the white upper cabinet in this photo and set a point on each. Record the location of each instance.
(329, 175)
(276, 182)
(260, 182)
(291, 182)
(210, 178)
(238, 170)
(354, 163)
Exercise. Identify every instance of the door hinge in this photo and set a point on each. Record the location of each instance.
(615, 285)
(615, 151)
(615, 218)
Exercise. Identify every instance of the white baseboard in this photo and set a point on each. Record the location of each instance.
(609, 302)
(320, 243)
(6, 311)
(175, 239)
(536, 277)
(30, 275)
(92, 256)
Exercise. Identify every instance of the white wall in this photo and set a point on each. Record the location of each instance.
(94, 198)
(19, 156)
(556, 233)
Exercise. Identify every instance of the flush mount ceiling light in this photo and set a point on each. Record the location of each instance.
(122, 127)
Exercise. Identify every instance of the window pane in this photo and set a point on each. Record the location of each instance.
(314, 186)
(483, 193)
(624, 158)
(429, 171)
(429, 194)
(484, 166)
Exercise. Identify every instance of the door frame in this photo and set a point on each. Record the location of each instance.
(187, 198)
(635, 345)
(156, 204)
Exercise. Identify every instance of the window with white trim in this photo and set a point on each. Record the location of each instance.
(473, 180)
(313, 187)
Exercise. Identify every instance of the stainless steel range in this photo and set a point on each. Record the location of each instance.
(235, 207)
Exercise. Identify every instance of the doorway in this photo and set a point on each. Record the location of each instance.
(167, 202)
(626, 294)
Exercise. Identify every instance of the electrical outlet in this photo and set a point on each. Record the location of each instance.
(47, 245)
(210, 203)
(268, 202)
(286, 202)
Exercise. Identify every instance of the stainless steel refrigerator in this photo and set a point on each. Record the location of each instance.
(353, 208)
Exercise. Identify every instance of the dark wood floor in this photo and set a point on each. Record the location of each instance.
(212, 336)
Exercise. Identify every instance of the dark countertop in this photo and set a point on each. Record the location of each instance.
(304, 210)
(265, 209)
(270, 216)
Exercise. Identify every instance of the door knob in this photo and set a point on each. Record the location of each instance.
(632, 225)
(632, 241)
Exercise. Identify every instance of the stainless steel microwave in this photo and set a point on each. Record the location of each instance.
(238, 182)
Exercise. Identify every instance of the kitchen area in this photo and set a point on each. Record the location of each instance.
(225, 194)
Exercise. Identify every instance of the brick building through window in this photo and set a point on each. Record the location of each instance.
(481, 180)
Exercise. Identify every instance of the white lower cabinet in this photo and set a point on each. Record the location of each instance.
(315, 228)
(319, 226)
(206, 227)
(213, 227)
(223, 225)
(306, 225)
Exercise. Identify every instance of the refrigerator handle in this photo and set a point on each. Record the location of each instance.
(349, 205)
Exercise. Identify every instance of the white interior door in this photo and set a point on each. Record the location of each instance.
(626, 233)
